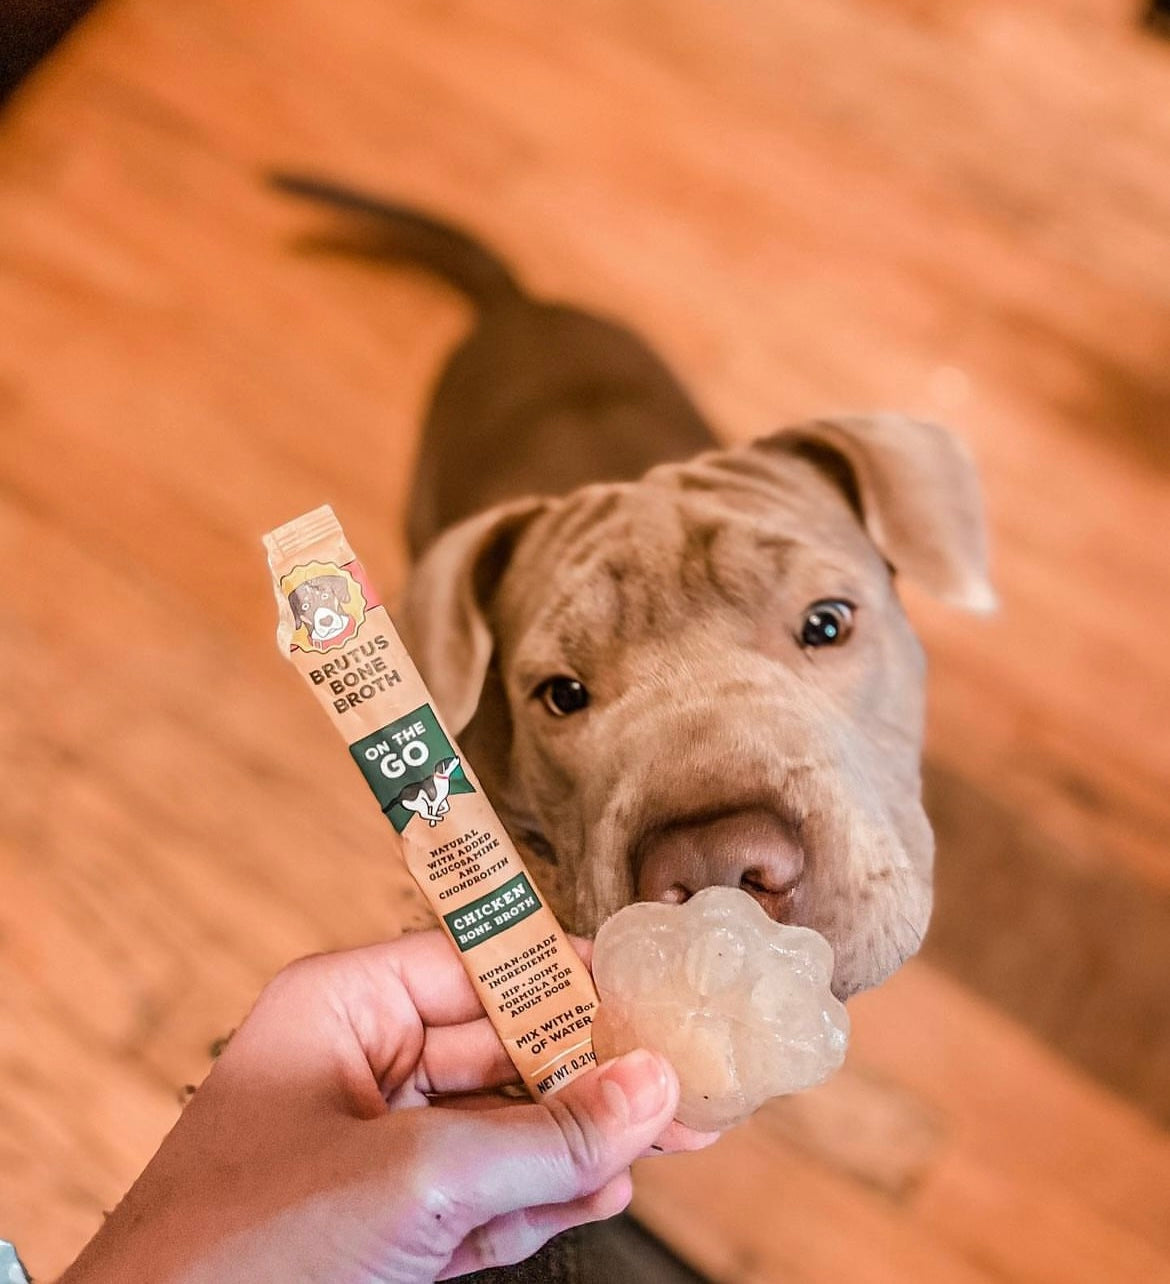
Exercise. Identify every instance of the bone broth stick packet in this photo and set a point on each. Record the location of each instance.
(339, 637)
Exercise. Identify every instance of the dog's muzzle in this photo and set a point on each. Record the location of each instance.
(327, 623)
(752, 849)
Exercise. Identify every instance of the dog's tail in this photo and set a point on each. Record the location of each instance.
(399, 232)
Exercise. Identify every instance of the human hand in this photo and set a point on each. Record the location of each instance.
(334, 1139)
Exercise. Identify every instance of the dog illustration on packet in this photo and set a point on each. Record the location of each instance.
(412, 768)
(327, 604)
(428, 797)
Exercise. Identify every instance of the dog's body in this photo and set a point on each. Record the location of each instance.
(428, 797)
(675, 665)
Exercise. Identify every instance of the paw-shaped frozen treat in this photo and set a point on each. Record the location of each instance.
(739, 1005)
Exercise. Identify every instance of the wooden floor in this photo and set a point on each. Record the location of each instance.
(959, 209)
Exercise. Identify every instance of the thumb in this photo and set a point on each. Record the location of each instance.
(607, 1118)
(482, 1164)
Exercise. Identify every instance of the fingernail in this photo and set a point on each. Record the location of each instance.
(635, 1086)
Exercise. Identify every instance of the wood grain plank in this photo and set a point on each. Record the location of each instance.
(1017, 1173)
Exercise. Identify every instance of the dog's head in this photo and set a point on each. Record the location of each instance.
(319, 606)
(706, 677)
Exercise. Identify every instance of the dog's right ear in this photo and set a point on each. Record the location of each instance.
(914, 488)
(443, 612)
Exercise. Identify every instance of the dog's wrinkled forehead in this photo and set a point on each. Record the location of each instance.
(643, 560)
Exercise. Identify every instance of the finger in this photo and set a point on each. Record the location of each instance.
(428, 967)
(463, 1058)
(479, 1165)
(514, 1236)
(358, 1017)
(677, 1137)
(478, 1101)
(584, 947)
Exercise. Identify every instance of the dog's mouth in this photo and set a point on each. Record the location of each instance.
(797, 867)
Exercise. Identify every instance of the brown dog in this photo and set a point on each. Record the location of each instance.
(674, 665)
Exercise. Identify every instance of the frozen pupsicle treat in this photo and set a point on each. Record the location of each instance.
(738, 1004)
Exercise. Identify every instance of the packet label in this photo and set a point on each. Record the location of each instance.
(493, 912)
(335, 630)
(412, 768)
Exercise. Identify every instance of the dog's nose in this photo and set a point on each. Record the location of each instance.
(754, 850)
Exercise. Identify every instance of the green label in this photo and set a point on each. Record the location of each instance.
(412, 769)
(492, 913)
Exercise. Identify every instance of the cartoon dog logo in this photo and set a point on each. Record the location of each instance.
(319, 607)
(428, 797)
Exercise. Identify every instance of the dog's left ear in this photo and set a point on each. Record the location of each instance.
(443, 613)
(294, 605)
(914, 488)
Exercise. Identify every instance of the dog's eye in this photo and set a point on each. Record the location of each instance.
(826, 624)
(562, 696)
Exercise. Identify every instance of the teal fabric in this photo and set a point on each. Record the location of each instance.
(11, 1270)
